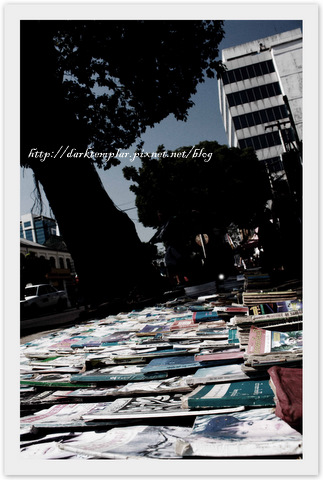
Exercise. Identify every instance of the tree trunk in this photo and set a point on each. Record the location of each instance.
(101, 239)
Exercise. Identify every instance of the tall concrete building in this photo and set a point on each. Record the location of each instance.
(260, 96)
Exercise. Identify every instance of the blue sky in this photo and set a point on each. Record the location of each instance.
(204, 123)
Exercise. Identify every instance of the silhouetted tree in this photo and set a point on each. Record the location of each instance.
(97, 85)
(198, 190)
(226, 185)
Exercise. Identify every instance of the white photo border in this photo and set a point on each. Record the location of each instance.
(13, 14)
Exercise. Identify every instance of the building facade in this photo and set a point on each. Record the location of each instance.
(44, 257)
(37, 228)
(43, 264)
(58, 259)
(260, 96)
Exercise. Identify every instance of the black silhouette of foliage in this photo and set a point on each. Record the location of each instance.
(119, 77)
(99, 85)
(228, 186)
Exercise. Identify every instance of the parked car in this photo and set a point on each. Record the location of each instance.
(41, 298)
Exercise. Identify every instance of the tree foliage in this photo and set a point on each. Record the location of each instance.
(119, 77)
(227, 185)
(100, 84)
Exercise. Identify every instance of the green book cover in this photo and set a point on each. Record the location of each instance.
(36, 383)
(130, 377)
(253, 393)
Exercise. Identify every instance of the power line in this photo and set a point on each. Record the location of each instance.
(125, 203)
(127, 209)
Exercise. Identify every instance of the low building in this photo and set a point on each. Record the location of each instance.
(52, 263)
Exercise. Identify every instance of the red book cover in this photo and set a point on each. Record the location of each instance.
(219, 356)
(179, 324)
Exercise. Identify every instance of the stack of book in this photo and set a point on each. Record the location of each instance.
(292, 320)
(256, 281)
(268, 347)
(184, 372)
(259, 297)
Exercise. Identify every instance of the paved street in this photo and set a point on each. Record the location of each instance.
(34, 327)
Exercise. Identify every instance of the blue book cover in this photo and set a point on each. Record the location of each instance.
(171, 363)
(205, 316)
(233, 335)
(151, 329)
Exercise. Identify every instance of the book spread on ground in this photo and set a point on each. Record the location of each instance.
(235, 356)
(165, 364)
(117, 377)
(138, 370)
(128, 442)
(158, 406)
(155, 354)
(60, 415)
(205, 316)
(152, 329)
(174, 384)
(252, 433)
(251, 393)
(220, 374)
(179, 324)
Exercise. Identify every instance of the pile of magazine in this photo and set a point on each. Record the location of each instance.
(196, 378)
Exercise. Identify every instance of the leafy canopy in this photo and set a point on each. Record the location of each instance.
(227, 186)
(120, 77)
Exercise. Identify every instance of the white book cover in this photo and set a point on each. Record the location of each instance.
(252, 433)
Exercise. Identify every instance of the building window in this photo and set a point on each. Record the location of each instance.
(52, 262)
(44, 229)
(262, 116)
(29, 235)
(253, 94)
(27, 224)
(68, 263)
(250, 71)
(61, 262)
(40, 234)
(40, 237)
(259, 142)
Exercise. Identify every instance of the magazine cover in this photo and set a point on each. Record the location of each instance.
(266, 341)
(153, 152)
(241, 434)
